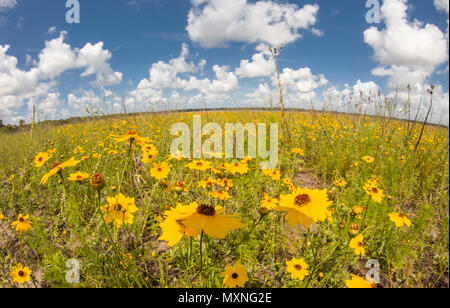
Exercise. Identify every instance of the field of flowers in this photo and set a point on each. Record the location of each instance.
(349, 192)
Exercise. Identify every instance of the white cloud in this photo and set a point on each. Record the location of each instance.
(225, 82)
(7, 4)
(301, 81)
(263, 96)
(165, 75)
(49, 106)
(13, 81)
(442, 5)
(95, 59)
(408, 52)
(88, 98)
(51, 30)
(214, 23)
(261, 65)
(58, 57)
(36, 85)
(369, 88)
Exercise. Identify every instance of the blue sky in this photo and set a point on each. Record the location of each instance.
(215, 52)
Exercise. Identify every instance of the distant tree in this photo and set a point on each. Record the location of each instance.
(21, 123)
(1, 123)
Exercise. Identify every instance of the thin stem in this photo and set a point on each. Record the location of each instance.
(201, 252)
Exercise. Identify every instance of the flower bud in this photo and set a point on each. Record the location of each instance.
(97, 182)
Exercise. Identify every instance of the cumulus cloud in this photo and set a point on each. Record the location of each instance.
(177, 74)
(299, 88)
(36, 85)
(165, 75)
(215, 23)
(261, 97)
(7, 4)
(442, 5)
(225, 82)
(408, 52)
(261, 65)
(301, 81)
(58, 57)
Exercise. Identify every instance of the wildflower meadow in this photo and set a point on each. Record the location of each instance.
(107, 195)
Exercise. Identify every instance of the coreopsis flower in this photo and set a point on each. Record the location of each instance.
(119, 210)
(58, 167)
(200, 165)
(375, 192)
(297, 268)
(132, 136)
(400, 220)
(246, 160)
(97, 182)
(235, 276)
(2, 217)
(216, 171)
(41, 158)
(340, 183)
(369, 159)
(221, 195)
(360, 283)
(173, 228)
(268, 202)
(22, 223)
(210, 220)
(273, 173)
(289, 184)
(305, 206)
(20, 274)
(226, 183)
(354, 229)
(179, 187)
(237, 168)
(357, 244)
(298, 151)
(207, 183)
(160, 171)
(357, 210)
(96, 155)
(78, 176)
(149, 156)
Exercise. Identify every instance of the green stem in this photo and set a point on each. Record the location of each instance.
(201, 252)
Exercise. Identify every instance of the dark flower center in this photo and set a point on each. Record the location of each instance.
(21, 219)
(21, 273)
(56, 164)
(375, 190)
(234, 276)
(199, 164)
(302, 199)
(206, 210)
(119, 207)
(298, 267)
